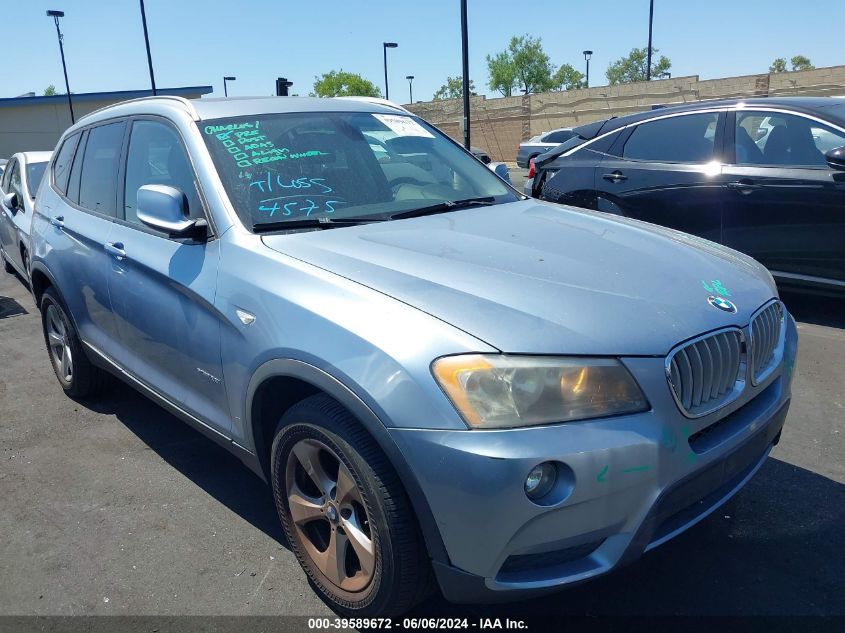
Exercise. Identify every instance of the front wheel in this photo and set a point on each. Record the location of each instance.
(345, 513)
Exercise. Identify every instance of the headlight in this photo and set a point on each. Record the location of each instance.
(495, 391)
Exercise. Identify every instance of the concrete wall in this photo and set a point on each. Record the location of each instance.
(498, 125)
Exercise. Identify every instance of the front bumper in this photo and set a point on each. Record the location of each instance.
(628, 484)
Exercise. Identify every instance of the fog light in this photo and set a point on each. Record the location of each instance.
(540, 480)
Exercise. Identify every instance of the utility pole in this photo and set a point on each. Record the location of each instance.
(465, 65)
(650, 23)
(147, 41)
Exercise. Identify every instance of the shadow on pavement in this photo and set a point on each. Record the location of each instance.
(208, 465)
(777, 548)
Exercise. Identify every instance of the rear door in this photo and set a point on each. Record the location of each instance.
(162, 289)
(786, 206)
(82, 220)
(668, 171)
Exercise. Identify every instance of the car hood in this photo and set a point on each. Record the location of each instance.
(532, 277)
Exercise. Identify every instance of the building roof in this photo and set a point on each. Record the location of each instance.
(119, 95)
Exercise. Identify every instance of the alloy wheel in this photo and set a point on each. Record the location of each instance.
(330, 516)
(57, 337)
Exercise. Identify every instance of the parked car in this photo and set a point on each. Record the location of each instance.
(763, 176)
(436, 375)
(540, 144)
(19, 184)
(3, 162)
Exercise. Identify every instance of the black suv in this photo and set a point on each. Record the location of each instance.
(764, 176)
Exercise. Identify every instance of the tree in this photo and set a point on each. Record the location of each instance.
(567, 78)
(502, 73)
(799, 62)
(339, 83)
(523, 63)
(778, 66)
(453, 89)
(632, 68)
(50, 91)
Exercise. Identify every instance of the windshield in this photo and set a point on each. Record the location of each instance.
(341, 166)
(34, 174)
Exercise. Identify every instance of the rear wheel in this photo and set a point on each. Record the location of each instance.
(345, 513)
(76, 374)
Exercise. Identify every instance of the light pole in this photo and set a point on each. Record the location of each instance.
(650, 23)
(465, 69)
(147, 42)
(410, 79)
(385, 46)
(225, 89)
(56, 15)
(587, 55)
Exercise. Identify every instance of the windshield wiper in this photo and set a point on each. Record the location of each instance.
(310, 223)
(443, 207)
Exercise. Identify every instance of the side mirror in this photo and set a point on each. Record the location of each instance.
(165, 209)
(836, 158)
(11, 202)
(501, 170)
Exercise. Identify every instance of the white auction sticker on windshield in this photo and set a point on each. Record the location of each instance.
(403, 125)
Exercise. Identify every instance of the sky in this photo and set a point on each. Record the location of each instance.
(197, 42)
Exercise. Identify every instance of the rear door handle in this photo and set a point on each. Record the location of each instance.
(58, 221)
(615, 176)
(115, 249)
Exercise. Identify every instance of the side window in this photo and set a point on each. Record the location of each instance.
(560, 136)
(775, 138)
(64, 159)
(679, 139)
(157, 157)
(98, 180)
(7, 174)
(15, 185)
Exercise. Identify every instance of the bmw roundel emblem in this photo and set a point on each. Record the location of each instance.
(722, 304)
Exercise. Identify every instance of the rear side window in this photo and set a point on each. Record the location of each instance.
(560, 136)
(98, 180)
(679, 139)
(64, 159)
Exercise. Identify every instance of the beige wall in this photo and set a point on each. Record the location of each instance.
(38, 126)
(498, 125)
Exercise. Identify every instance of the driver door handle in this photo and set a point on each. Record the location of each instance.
(58, 221)
(745, 185)
(615, 176)
(115, 249)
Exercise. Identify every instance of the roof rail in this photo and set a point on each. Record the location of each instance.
(189, 107)
(379, 101)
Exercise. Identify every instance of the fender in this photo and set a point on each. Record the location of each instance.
(348, 398)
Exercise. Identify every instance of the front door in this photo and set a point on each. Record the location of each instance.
(162, 289)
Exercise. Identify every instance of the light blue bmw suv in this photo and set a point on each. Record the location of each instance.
(441, 379)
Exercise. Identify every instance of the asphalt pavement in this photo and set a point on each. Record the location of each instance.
(113, 506)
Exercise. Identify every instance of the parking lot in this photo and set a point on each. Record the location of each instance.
(114, 507)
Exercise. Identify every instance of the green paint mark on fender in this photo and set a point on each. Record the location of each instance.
(600, 477)
(636, 469)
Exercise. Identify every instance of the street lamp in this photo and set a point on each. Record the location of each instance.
(147, 42)
(385, 46)
(410, 79)
(56, 15)
(650, 23)
(587, 56)
(226, 90)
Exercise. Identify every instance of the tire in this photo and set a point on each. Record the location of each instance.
(78, 377)
(318, 431)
